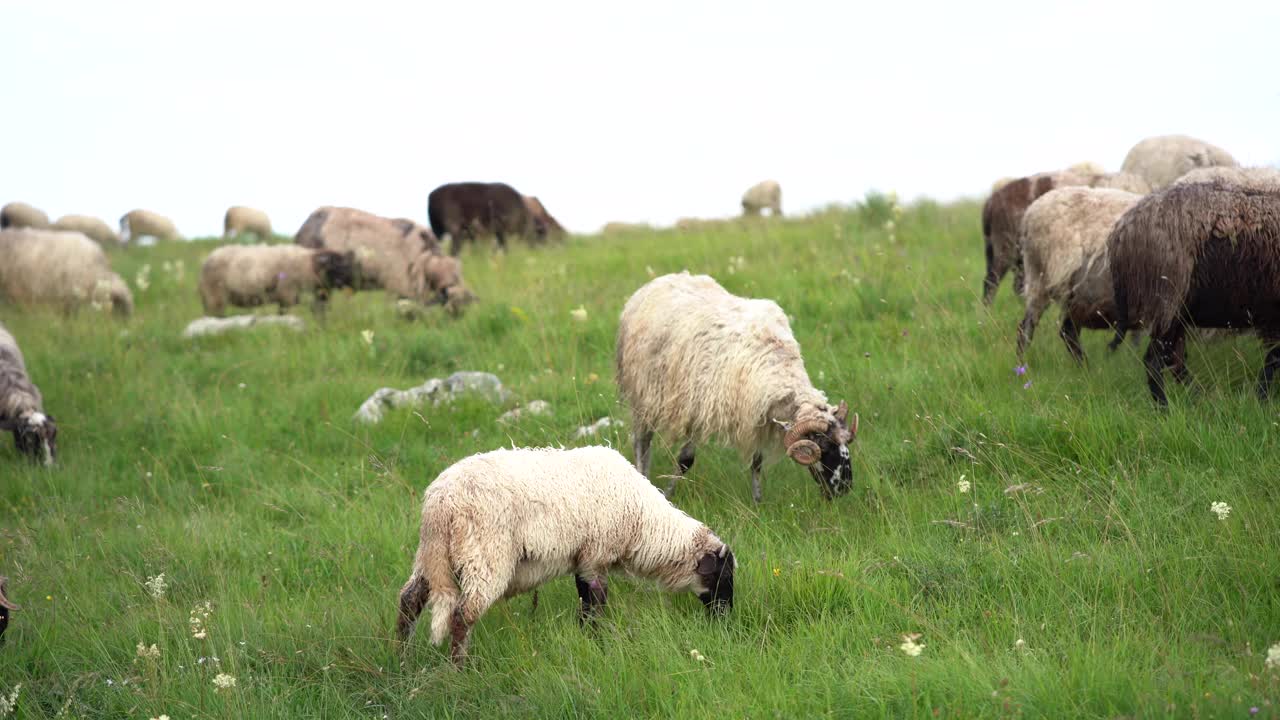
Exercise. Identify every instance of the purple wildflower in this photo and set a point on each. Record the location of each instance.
(1026, 385)
(1020, 370)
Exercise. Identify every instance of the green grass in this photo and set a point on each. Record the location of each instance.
(231, 465)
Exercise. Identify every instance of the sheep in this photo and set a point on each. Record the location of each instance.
(56, 267)
(1262, 178)
(20, 215)
(1064, 243)
(1002, 217)
(137, 224)
(501, 523)
(251, 275)
(624, 228)
(6, 605)
(438, 279)
(1199, 255)
(92, 227)
(695, 362)
(240, 219)
(766, 194)
(385, 249)
(1165, 158)
(547, 226)
(22, 408)
(467, 210)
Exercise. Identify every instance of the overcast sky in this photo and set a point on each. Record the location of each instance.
(637, 111)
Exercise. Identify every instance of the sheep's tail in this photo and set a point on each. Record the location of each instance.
(433, 568)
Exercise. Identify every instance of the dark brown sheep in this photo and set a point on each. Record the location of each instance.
(1202, 255)
(469, 210)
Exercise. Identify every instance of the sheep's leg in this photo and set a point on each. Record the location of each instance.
(1154, 359)
(460, 631)
(757, 461)
(643, 438)
(1268, 370)
(1027, 329)
(995, 273)
(413, 598)
(1019, 277)
(1070, 333)
(593, 593)
(684, 461)
(1117, 340)
(1177, 358)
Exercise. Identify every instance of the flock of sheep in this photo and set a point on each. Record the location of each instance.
(1180, 238)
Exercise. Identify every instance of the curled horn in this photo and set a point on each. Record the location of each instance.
(803, 451)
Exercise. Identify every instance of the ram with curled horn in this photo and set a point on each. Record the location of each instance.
(695, 362)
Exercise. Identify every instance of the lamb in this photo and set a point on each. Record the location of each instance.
(1165, 158)
(137, 224)
(385, 249)
(240, 219)
(22, 408)
(695, 362)
(1200, 255)
(251, 275)
(504, 522)
(1002, 217)
(1262, 178)
(63, 268)
(762, 195)
(438, 279)
(1064, 244)
(92, 227)
(20, 215)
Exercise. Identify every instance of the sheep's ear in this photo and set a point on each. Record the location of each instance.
(708, 564)
(842, 411)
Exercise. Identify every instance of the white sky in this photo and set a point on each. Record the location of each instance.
(637, 111)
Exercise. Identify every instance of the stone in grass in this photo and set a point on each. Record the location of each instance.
(217, 326)
(536, 407)
(436, 391)
(596, 428)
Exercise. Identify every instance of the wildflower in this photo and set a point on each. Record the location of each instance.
(199, 614)
(7, 704)
(697, 656)
(1273, 657)
(1020, 644)
(964, 485)
(910, 646)
(1020, 370)
(143, 278)
(150, 653)
(156, 585)
(162, 717)
(888, 225)
(223, 681)
(367, 336)
(1221, 509)
(1026, 385)
(579, 313)
(777, 572)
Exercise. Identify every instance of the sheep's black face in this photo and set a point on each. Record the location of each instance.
(715, 572)
(834, 470)
(37, 437)
(336, 270)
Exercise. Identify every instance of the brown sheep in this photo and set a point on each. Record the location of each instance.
(385, 249)
(20, 215)
(466, 211)
(1201, 255)
(550, 227)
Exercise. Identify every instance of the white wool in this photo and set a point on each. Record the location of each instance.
(761, 196)
(1165, 158)
(246, 275)
(240, 219)
(383, 248)
(137, 224)
(19, 397)
(1262, 178)
(696, 362)
(506, 521)
(63, 268)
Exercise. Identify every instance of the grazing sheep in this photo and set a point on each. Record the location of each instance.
(1261, 178)
(20, 215)
(385, 249)
(63, 268)
(468, 210)
(1002, 218)
(548, 226)
(1203, 255)
(252, 275)
(622, 228)
(501, 523)
(438, 278)
(1165, 158)
(6, 606)
(695, 362)
(240, 219)
(22, 408)
(137, 224)
(92, 227)
(762, 195)
(1064, 250)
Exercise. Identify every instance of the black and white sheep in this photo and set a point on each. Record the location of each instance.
(22, 407)
(253, 275)
(696, 362)
(1201, 255)
(59, 268)
(504, 522)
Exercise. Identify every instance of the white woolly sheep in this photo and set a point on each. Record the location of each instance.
(240, 219)
(93, 228)
(1064, 250)
(695, 362)
(1165, 158)
(502, 523)
(1261, 178)
(384, 248)
(137, 224)
(63, 268)
(438, 279)
(252, 275)
(22, 407)
(762, 195)
(20, 215)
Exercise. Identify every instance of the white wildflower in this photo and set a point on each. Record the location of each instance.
(910, 646)
(1273, 657)
(143, 278)
(9, 702)
(1020, 644)
(223, 681)
(156, 585)
(964, 485)
(150, 653)
(697, 656)
(579, 313)
(162, 717)
(199, 614)
(1221, 509)
(367, 336)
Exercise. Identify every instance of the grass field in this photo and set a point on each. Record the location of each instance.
(1083, 574)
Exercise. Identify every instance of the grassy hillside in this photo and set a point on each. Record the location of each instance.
(1082, 575)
